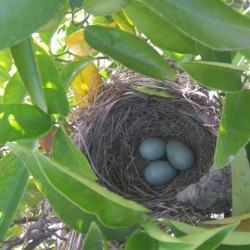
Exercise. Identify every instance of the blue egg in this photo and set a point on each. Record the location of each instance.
(152, 148)
(180, 155)
(159, 173)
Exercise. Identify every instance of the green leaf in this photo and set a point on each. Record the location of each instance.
(159, 31)
(209, 239)
(74, 4)
(234, 128)
(212, 23)
(208, 54)
(6, 59)
(22, 121)
(219, 76)
(65, 152)
(15, 91)
(71, 70)
(240, 183)
(168, 242)
(4, 74)
(104, 7)
(25, 61)
(94, 239)
(20, 18)
(128, 49)
(53, 88)
(13, 181)
(141, 240)
(112, 210)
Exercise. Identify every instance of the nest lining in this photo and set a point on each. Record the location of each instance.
(110, 133)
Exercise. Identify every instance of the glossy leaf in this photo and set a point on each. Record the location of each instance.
(19, 19)
(234, 128)
(214, 75)
(94, 239)
(66, 152)
(71, 70)
(159, 31)
(25, 61)
(141, 240)
(22, 121)
(104, 7)
(212, 23)
(15, 91)
(112, 210)
(208, 239)
(53, 89)
(130, 50)
(240, 184)
(123, 22)
(13, 181)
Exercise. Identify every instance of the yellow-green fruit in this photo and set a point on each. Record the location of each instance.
(159, 173)
(152, 148)
(180, 155)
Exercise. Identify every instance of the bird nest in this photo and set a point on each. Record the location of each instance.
(133, 107)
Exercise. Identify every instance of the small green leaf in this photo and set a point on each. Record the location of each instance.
(212, 23)
(13, 181)
(75, 4)
(234, 128)
(209, 239)
(22, 121)
(104, 7)
(53, 88)
(219, 76)
(240, 183)
(15, 91)
(6, 59)
(141, 240)
(159, 31)
(66, 152)
(94, 239)
(128, 49)
(71, 70)
(4, 74)
(112, 210)
(25, 61)
(19, 19)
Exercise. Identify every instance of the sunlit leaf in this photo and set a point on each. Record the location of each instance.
(130, 50)
(13, 181)
(214, 75)
(123, 22)
(234, 128)
(159, 31)
(104, 7)
(19, 19)
(25, 62)
(22, 121)
(66, 152)
(53, 89)
(14, 91)
(212, 23)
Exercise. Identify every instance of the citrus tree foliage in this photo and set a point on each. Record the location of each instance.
(53, 53)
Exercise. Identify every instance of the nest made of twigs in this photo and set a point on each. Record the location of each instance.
(110, 131)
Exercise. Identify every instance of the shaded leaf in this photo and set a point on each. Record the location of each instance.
(159, 31)
(53, 89)
(25, 61)
(22, 121)
(241, 184)
(71, 70)
(94, 239)
(112, 210)
(212, 23)
(18, 20)
(220, 76)
(234, 128)
(13, 181)
(129, 50)
(66, 152)
(104, 7)
(141, 240)
(14, 91)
